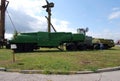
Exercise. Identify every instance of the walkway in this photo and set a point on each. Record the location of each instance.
(105, 76)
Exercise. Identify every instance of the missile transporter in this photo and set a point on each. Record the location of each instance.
(30, 41)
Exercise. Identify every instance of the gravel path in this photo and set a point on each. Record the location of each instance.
(106, 76)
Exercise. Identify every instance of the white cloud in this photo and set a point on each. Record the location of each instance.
(27, 16)
(33, 9)
(30, 7)
(62, 26)
(8, 36)
(106, 33)
(112, 34)
(39, 25)
(114, 15)
(116, 8)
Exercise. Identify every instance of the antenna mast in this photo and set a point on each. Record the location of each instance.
(48, 9)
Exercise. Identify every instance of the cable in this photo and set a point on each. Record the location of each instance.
(11, 21)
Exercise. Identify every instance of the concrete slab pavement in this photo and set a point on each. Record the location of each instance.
(105, 76)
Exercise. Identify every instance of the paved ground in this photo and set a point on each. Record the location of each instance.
(105, 76)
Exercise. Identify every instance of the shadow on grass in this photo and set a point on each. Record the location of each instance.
(41, 51)
(57, 50)
(52, 51)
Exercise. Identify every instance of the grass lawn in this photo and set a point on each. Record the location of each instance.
(53, 59)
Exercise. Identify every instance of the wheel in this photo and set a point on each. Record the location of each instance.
(81, 47)
(71, 47)
(25, 47)
(96, 46)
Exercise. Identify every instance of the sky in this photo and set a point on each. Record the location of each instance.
(102, 17)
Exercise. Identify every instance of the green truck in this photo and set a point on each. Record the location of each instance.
(29, 41)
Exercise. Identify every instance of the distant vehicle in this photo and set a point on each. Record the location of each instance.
(107, 43)
(118, 42)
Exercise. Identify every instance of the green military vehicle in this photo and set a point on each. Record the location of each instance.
(29, 41)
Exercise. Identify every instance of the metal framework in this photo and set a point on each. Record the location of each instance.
(48, 9)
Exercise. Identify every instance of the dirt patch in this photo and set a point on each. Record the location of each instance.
(6, 62)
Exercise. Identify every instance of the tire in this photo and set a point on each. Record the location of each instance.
(25, 47)
(71, 47)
